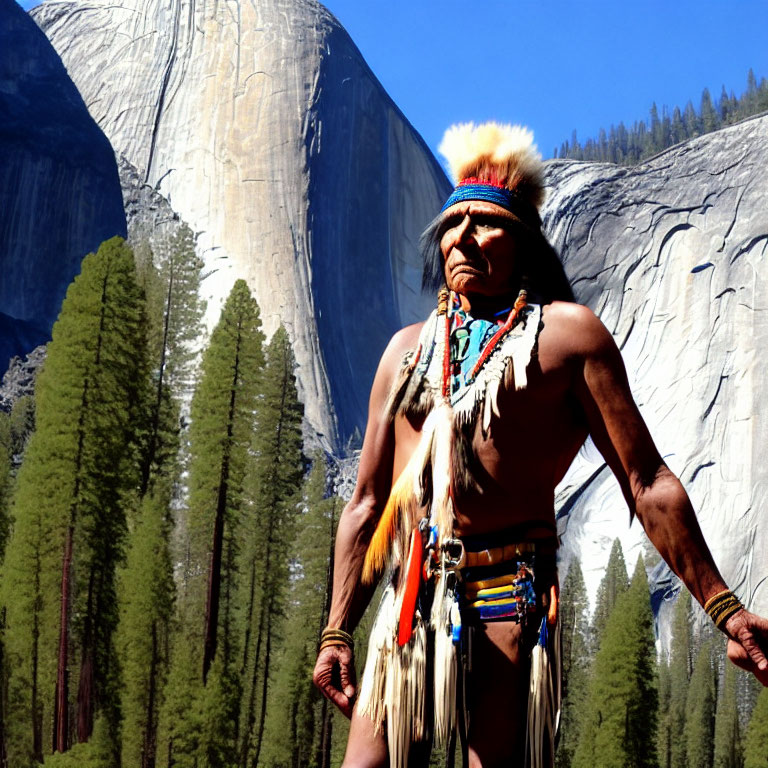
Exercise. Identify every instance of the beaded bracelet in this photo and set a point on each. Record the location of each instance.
(722, 606)
(331, 636)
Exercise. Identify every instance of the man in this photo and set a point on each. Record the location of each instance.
(475, 416)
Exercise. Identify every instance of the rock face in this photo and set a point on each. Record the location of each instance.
(59, 189)
(19, 380)
(264, 128)
(671, 255)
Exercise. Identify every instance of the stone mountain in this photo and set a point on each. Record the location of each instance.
(671, 254)
(264, 128)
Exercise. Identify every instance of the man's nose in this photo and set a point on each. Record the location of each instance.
(466, 229)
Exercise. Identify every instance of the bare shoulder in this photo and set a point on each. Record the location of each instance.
(404, 341)
(574, 330)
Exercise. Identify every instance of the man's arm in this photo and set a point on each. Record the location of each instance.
(334, 671)
(651, 490)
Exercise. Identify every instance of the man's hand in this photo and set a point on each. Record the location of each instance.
(334, 675)
(748, 645)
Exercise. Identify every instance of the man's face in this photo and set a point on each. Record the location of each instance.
(478, 249)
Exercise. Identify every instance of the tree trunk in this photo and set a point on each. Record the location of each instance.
(61, 700)
(264, 687)
(214, 571)
(86, 689)
(149, 747)
(152, 447)
(250, 717)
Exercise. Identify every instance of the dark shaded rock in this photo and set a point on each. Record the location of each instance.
(59, 191)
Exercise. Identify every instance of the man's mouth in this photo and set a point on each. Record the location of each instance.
(467, 269)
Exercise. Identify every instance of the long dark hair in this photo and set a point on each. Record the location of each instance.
(541, 273)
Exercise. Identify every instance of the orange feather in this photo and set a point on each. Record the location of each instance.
(386, 530)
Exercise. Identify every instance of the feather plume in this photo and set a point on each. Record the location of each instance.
(401, 511)
(442, 512)
(411, 583)
(405, 695)
(400, 498)
(445, 664)
(544, 698)
(500, 154)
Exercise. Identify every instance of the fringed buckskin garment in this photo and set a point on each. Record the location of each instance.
(414, 680)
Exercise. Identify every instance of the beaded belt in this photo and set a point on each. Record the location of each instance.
(497, 577)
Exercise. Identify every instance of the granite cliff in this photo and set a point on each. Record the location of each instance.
(59, 189)
(671, 255)
(265, 130)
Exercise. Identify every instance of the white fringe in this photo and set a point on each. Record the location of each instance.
(371, 700)
(544, 701)
(405, 694)
(515, 349)
(445, 663)
(393, 688)
(441, 513)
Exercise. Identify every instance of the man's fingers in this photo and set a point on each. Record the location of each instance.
(747, 639)
(347, 673)
(752, 633)
(330, 660)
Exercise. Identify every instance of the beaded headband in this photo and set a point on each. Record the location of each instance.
(474, 189)
(498, 164)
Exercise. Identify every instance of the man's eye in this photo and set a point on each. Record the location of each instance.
(485, 222)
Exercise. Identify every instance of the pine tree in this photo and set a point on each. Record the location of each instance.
(756, 742)
(296, 731)
(69, 508)
(656, 136)
(699, 729)
(175, 323)
(146, 600)
(750, 97)
(574, 618)
(677, 129)
(709, 116)
(222, 414)
(148, 592)
(680, 668)
(22, 425)
(664, 735)
(277, 473)
(728, 747)
(690, 121)
(619, 722)
(614, 584)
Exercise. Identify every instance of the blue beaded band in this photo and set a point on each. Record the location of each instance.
(486, 192)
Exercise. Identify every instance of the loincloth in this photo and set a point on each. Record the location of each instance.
(504, 576)
(419, 690)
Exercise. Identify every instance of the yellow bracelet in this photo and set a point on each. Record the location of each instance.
(722, 606)
(331, 636)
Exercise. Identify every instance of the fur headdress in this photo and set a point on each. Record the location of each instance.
(502, 157)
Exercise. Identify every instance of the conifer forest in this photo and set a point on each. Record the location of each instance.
(629, 145)
(166, 547)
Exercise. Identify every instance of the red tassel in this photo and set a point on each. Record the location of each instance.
(411, 592)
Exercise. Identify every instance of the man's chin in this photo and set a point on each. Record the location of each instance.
(469, 284)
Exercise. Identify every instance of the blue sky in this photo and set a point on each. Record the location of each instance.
(554, 65)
